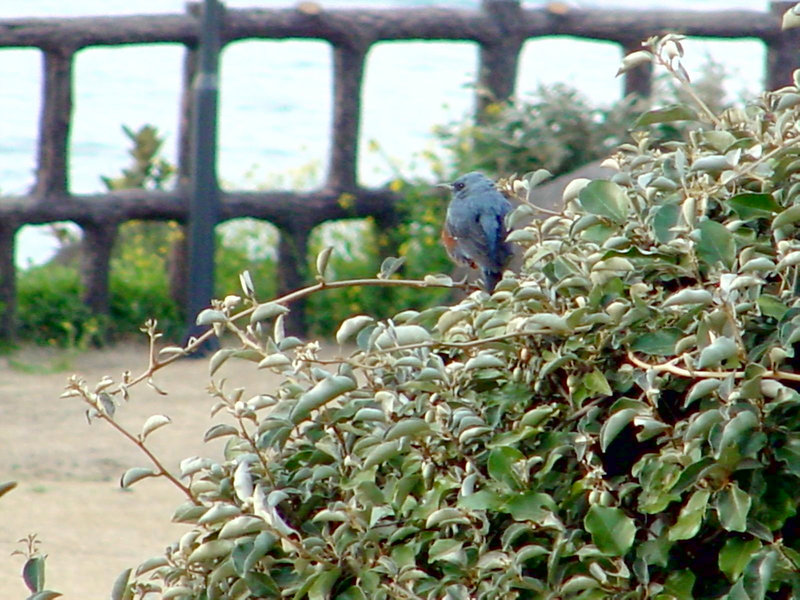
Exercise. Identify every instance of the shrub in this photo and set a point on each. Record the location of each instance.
(619, 419)
(559, 129)
(50, 309)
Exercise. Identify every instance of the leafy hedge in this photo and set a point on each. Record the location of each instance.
(619, 419)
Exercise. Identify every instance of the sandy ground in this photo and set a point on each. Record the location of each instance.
(68, 471)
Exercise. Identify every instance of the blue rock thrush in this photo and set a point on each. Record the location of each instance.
(474, 232)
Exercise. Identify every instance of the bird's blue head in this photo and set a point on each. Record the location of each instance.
(471, 183)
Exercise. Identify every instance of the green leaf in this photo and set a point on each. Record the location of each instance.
(612, 530)
(323, 584)
(614, 424)
(219, 430)
(717, 352)
(352, 326)
(210, 551)
(121, 590)
(531, 506)
(605, 199)
(381, 453)
(596, 382)
(788, 217)
(772, 307)
(750, 205)
(667, 114)
(33, 573)
(759, 573)
(679, 585)
(218, 359)
(789, 454)
(268, 310)
(390, 266)
(446, 550)
(261, 585)
(736, 431)
(690, 517)
(716, 244)
(701, 389)
(689, 296)
(135, 474)
(152, 423)
(325, 391)
(351, 593)
(44, 595)
(735, 555)
(501, 466)
(408, 428)
(322, 260)
(658, 343)
(665, 218)
(481, 500)
(209, 316)
(733, 504)
(402, 335)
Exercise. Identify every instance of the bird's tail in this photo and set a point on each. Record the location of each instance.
(491, 279)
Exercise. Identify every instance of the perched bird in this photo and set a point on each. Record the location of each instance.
(474, 231)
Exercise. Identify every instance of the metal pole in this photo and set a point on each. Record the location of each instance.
(203, 185)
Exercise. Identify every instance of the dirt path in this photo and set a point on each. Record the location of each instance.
(68, 471)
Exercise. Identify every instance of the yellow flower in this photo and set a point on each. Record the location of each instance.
(346, 200)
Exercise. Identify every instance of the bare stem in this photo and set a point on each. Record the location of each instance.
(193, 345)
(161, 470)
(670, 367)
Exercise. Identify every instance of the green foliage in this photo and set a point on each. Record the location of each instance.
(557, 128)
(245, 245)
(34, 567)
(618, 420)
(50, 309)
(148, 168)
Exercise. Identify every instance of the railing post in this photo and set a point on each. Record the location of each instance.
(96, 247)
(178, 263)
(497, 72)
(783, 51)
(204, 188)
(8, 281)
(638, 80)
(292, 270)
(348, 75)
(54, 123)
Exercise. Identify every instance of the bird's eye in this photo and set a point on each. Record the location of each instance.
(458, 186)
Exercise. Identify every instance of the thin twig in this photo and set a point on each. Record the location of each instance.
(288, 298)
(152, 457)
(670, 367)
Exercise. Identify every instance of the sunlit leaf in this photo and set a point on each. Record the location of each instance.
(612, 530)
(605, 199)
(732, 505)
(716, 244)
(667, 114)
